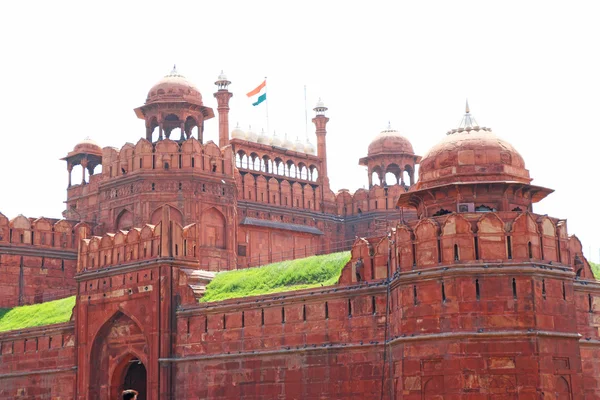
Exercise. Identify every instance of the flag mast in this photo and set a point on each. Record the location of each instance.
(305, 115)
(267, 106)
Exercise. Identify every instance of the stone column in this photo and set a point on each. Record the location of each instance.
(84, 164)
(223, 96)
(70, 169)
(320, 122)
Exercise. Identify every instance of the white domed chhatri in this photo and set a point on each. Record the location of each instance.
(251, 135)
(275, 140)
(263, 138)
(299, 146)
(238, 133)
(309, 148)
(287, 143)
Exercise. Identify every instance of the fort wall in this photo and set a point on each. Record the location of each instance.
(38, 363)
(37, 259)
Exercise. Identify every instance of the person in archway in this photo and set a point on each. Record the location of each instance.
(130, 394)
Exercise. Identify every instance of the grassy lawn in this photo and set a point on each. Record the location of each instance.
(595, 269)
(51, 312)
(283, 276)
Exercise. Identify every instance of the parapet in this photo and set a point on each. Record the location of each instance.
(464, 239)
(165, 239)
(42, 232)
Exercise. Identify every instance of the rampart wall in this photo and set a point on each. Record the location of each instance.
(37, 259)
(38, 363)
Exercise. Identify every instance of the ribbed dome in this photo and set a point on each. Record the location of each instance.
(309, 148)
(471, 154)
(263, 138)
(299, 146)
(172, 88)
(238, 133)
(275, 140)
(251, 135)
(390, 141)
(287, 143)
(87, 146)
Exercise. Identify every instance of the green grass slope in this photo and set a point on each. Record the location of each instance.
(283, 276)
(595, 269)
(50, 312)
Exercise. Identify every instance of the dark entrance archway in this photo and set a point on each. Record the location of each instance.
(135, 378)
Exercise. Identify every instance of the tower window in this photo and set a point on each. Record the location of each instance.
(443, 293)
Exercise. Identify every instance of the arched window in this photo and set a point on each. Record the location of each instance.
(390, 179)
(375, 178)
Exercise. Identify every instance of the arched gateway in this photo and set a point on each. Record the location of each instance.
(118, 359)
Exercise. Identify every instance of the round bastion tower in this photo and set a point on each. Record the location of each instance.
(485, 296)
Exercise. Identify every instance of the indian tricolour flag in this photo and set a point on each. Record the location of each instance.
(261, 91)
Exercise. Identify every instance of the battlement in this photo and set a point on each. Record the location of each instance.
(190, 155)
(42, 232)
(468, 238)
(166, 239)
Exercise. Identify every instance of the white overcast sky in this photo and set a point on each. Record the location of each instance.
(530, 70)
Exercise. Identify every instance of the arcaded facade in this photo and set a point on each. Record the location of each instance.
(455, 289)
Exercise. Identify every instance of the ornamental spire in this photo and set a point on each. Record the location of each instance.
(468, 121)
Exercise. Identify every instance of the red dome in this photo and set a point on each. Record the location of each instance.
(87, 146)
(174, 87)
(471, 155)
(390, 141)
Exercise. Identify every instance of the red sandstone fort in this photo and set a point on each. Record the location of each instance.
(456, 288)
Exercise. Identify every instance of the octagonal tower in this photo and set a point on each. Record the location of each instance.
(174, 103)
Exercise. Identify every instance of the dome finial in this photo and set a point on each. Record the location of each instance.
(467, 122)
(222, 81)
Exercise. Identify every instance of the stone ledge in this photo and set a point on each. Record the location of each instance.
(38, 372)
(39, 251)
(322, 347)
(37, 331)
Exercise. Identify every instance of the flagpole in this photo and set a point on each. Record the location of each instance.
(267, 107)
(305, 115)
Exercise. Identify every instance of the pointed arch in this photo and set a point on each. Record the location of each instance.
(404, 240)
(361, 260)
(124, 220)
(4, 228)
(174, 213)
(491, 238)
(105, 363)
(457, 239)
(525, 238)
(213, 228)
(426, 234)
(549, 243)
